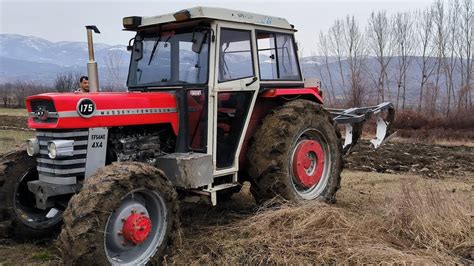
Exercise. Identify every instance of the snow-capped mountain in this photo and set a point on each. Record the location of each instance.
(66, 54)
(37, 59)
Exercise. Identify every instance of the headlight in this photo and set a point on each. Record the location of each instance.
(60, 148)
(32, 147)
(51, 150)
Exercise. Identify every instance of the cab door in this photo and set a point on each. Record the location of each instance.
(235, 90)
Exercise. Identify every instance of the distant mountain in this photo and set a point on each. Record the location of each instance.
(37, 59)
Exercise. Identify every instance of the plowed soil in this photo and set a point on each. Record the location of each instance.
(13, 122)
(433, 161)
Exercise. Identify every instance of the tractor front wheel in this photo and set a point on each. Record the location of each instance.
(18, 213)
(126, 213)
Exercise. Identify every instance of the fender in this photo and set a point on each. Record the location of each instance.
(111, 109)
(313, 92)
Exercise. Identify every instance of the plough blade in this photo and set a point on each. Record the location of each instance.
(354, 119)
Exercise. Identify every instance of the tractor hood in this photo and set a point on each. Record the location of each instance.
(80, 110)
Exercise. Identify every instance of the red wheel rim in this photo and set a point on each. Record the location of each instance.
(308, 163)
(136, 228)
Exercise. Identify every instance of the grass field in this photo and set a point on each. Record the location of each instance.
(12, 138)
(9, 138)
(13, 112)
(378, 218)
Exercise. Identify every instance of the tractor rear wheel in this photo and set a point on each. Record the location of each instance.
(297, 154)
(19, 215)
(126, 213)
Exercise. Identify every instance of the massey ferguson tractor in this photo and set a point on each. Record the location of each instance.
(215, 97)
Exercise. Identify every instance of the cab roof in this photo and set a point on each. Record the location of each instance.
(220, 14)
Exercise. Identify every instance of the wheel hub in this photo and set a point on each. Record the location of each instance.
(308, 162)
(136, 228)
(124, 231)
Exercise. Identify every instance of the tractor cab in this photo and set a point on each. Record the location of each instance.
(217, 62)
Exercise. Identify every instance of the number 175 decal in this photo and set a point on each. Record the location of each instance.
(86, 108)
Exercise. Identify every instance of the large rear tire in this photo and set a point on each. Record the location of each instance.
(22, 220)
(297, 154)
(136, 194)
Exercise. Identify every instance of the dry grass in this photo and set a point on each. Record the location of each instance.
(413, 120)
(432, 129)
(413, 224)
(13, 111)
(431, 220)
(9, 139)
(379, 219)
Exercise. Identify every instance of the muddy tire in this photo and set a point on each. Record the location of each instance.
(98, 209)
(296, 153)
(16, 169)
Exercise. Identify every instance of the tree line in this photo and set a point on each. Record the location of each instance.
(436, 41)
(13, 94)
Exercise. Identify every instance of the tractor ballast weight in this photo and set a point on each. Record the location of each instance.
(215, 97)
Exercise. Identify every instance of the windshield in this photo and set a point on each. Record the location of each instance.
(169, 58)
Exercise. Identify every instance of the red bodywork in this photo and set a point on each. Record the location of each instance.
(313, 92)
(66, 103)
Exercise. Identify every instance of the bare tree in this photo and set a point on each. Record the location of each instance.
(431, 97)
(5, 94)
(356, 55)
(67, 82)
(439, 39)
(324, 50)
(336, 44)
(20, 89)
(450, 58)
(425, 48)
(115, 63)
(380, 36)
(403, 33)
(465, 47)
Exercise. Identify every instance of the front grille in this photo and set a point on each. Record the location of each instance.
(62, 171)
(43, 106)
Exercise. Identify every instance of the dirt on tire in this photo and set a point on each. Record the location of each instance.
(82, 238)
(434, 161)
(273, 142)
(13, 166)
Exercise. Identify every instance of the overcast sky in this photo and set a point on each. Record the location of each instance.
(64, 20)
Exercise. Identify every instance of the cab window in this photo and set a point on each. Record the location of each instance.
(235, 55)
(277, 56)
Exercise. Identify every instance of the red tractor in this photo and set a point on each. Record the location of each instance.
(215, 97)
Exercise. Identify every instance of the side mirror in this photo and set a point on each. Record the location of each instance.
(137, 49)
(199, 38)
(130, 45)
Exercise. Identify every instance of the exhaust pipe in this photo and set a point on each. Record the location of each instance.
(92, 71)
